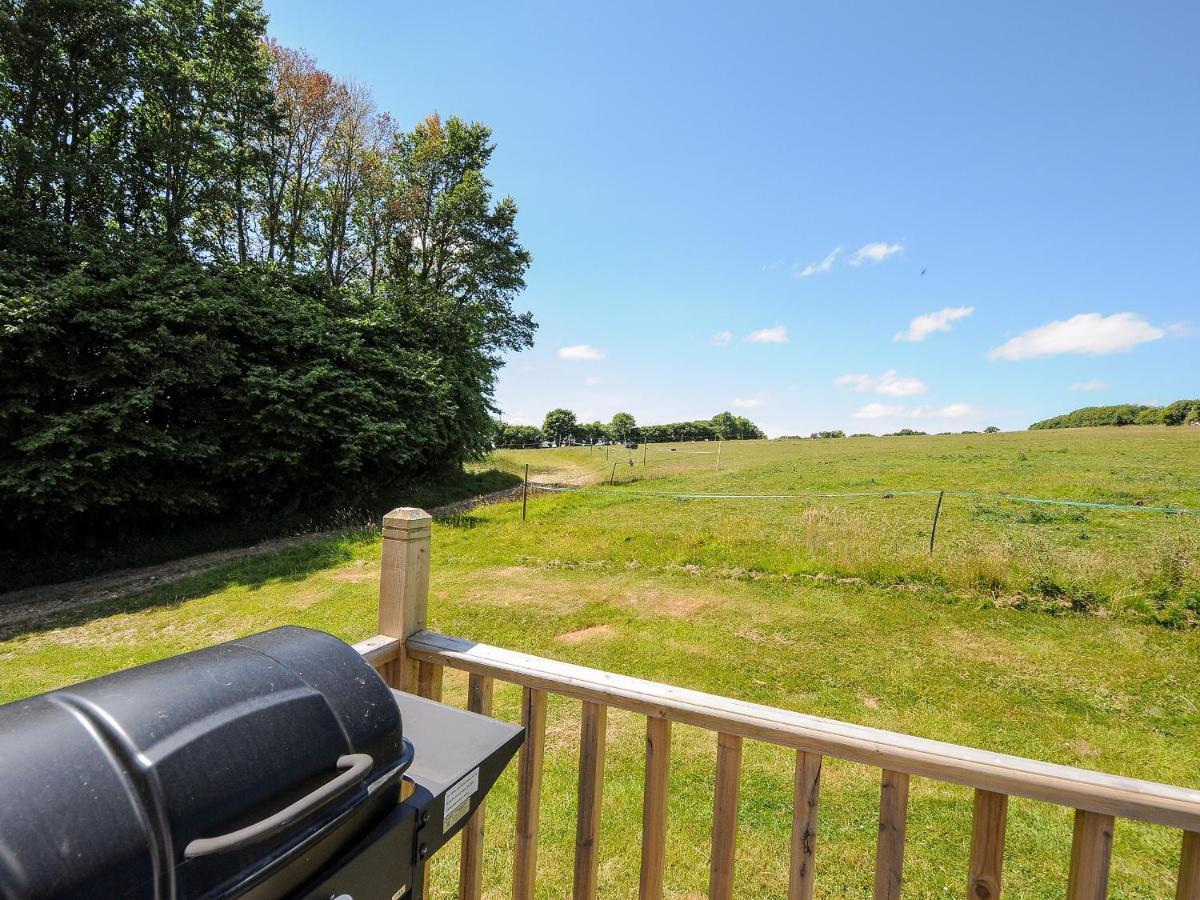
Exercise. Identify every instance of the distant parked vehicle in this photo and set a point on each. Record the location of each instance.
(631, 445)
(545, 445)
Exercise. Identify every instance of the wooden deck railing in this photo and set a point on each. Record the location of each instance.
(412, 658)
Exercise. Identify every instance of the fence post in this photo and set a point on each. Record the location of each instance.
(404, 586)
(525, 492)
(937, 512)
(613, 476)
(719, 444)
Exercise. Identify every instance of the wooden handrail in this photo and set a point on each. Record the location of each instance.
(1114, 795)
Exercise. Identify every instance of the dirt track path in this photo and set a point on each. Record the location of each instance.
(44, 601)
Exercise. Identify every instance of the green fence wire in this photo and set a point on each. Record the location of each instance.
(884, 495)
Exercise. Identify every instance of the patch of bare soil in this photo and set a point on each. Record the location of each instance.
(583, 635)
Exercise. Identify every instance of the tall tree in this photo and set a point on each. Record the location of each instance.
(67, 71)
(559, 425)
(622, 426)
(451, 239)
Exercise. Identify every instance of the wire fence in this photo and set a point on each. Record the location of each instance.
(881, 495)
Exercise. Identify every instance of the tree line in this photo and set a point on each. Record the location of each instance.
(561, 426)
(229, 284)
(1181, 412)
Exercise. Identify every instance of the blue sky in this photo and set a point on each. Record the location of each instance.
(731, 206)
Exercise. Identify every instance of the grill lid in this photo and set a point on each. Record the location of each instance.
(282, 743)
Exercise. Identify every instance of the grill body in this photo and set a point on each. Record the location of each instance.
(244, 769)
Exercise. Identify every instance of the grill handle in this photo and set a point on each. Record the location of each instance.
(356, 766)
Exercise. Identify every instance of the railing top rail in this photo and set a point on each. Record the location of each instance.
(998, 772)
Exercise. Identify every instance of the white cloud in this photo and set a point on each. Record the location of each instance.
(888, 411)
(593, 380)
(888, 383)
(775, 335)
(1094, 385)
(749, 402)
(1089, 333)
(582, 351)
(875, 253)
(952, 411)
(823, 266)
(851, 382)
(721, 338)
(876, 411)
(923, 326)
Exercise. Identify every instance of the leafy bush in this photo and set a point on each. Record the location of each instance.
(155, 391)
(1177, 413)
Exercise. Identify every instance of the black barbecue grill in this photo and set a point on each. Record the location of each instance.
(267, 767)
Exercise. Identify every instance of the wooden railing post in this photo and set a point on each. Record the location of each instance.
(470, 864)
(1091, 853)
(893, 821)
(529, 792)
(404, 586)
(593, 729)
(725, 816)
(987, 845)
(654, 808)
(805, 798)
(1188, 887)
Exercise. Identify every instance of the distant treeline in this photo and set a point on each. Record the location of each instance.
(561, 426)
(1180, 412)
(230, 287)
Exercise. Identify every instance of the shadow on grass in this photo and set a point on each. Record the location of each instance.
(289, 564)
(134, 550)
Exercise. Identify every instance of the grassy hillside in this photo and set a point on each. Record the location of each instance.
(990, 550)
(830, 607)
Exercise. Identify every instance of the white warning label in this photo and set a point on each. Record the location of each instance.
(458, 800)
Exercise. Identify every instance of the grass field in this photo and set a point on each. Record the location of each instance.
(1021, 635)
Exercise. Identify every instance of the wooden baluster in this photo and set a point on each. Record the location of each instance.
(805, 796)
(1188, 887)
(403, 586)
(529, 791)
(429, 681)
(654, 808)
(429, 686)
(893, 819)
(470, 861)
(725, 816)
(1091, 852)
(987, 845)
(591, 783)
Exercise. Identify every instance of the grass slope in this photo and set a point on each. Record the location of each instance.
(716, 598)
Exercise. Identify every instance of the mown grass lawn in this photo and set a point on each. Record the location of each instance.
(727, 600)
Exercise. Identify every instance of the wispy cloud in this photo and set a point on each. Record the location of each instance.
(777, 334)
(1090, 333)
(897, 411)
(1093, 385)
(923, 326)
(949, 411)
(751, 402)
(721, 338)
(875, 253)
(877, 411)
(823, 266)
(888, 383)
(593, 381)
(582, 352)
